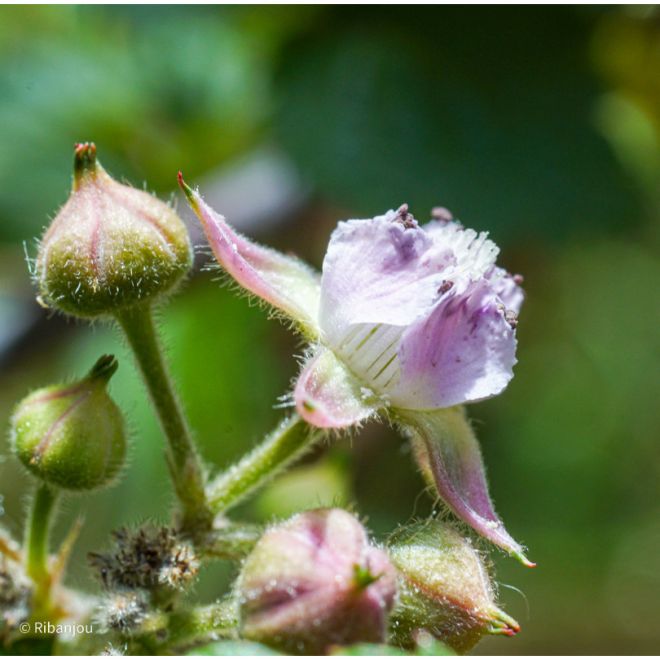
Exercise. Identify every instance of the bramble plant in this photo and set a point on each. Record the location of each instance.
(406, 323)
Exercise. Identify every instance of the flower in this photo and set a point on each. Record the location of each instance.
(409, 320)
(314, 581)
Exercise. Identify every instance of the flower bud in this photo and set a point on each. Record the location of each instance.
(444, 588)
(110, 246)
(315, 581)
(72, 436)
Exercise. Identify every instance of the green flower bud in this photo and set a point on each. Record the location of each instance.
(110, 246)
(444, 588)
(72, 436)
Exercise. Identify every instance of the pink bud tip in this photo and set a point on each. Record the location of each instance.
(187, 190)
(523, 560)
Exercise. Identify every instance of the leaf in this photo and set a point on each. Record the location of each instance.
(236, 648)
(367, 649)
(426, 645)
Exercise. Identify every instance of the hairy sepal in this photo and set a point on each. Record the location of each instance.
(282, 281)
(327, 395)
(447, 449)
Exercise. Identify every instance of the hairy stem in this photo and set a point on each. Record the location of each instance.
(201, 624)
(231, 541)
(36, 546)
(163, 633)
(182, 457)
(288, 442)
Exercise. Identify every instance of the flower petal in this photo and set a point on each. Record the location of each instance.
(378, 271)
(507, 288)
(454, 460)
(285, 282)
(387, 273)
(328, 396)
(463, 351)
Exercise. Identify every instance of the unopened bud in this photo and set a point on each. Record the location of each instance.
(72, 436)
(316, 581)
(444, 588)
(110, 246)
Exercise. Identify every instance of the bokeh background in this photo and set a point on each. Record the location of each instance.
(538, 124)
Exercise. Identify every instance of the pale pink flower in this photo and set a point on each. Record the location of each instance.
(404, 319)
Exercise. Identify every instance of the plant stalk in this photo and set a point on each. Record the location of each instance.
(203, 624)
(287, 443)
(36, 545)
(182, 457)
(232, 541)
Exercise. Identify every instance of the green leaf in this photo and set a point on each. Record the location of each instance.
(426, 645)
(429, 645)
(233, 648)
(368, 649)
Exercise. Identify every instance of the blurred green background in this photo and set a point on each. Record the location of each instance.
(538, 124)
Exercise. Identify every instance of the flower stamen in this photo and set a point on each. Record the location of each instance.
(405, 218)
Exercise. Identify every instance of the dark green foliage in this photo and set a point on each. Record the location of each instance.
(487, 111)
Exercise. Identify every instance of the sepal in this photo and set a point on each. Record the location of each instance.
(453, 457)
(327, 395)
(284, 282)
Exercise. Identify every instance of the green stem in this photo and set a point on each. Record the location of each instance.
(232, 541)
(182, 457)
(286, 444)
(202, 624)
(162, 633)
(36, 544)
